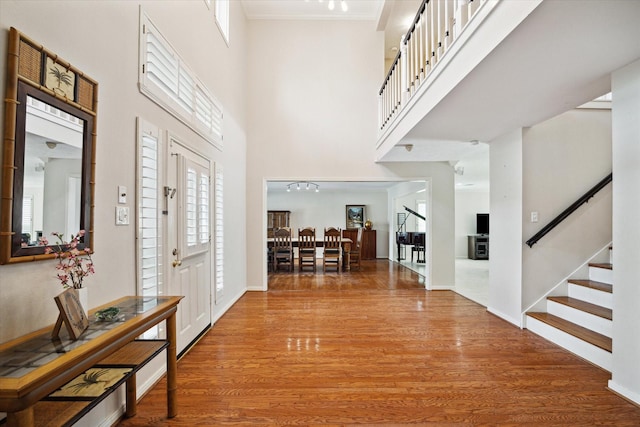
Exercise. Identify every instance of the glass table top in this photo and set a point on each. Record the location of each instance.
(40, 350)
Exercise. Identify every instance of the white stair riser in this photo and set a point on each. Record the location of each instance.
(593, 296)
(587, 351)
(579, 317)
(603, 275)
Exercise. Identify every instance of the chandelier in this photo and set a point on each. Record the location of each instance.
(306, 185)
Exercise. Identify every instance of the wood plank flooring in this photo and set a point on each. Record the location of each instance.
(372, 347)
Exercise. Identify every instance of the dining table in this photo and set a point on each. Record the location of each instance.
(346, 249)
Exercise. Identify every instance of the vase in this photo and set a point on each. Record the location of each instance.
(83, 296)
(368, 224)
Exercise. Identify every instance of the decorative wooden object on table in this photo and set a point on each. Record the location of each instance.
(307, 248)
(72, 314)
(36, 365)
(332, 248)
(282, 249)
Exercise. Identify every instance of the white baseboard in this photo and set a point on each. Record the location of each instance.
(506, 317)
(624, 392)
(219, 313)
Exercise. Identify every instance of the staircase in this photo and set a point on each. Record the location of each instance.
(582, 321)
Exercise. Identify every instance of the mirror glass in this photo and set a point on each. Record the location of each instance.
(52, 172)
(51, 191)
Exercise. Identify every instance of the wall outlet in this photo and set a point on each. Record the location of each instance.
(122, 215)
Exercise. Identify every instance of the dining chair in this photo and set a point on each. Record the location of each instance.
(307, 248)
(332, 248)
(282, 249)
(355, 254)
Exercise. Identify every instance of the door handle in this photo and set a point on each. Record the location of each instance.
(176, 262)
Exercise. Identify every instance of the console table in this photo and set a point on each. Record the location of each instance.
(35, 365)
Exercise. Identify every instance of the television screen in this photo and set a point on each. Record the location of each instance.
(482, 223)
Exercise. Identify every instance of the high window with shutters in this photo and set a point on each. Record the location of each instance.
(167, 80)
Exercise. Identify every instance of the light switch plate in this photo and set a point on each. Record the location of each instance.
(534, 216)
(122, 215)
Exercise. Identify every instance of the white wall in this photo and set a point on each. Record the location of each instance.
(110, 56)
(101, 39)
(440, 251)
(327, 209)
(626, 231)
(505, 224)
(313, 113)
(562, 159)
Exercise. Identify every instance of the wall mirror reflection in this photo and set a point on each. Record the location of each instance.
(52, 172)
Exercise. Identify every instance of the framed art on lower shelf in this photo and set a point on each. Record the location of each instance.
(355, 216)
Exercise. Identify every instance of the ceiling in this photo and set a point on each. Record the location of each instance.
(311, 9)
(394, 17)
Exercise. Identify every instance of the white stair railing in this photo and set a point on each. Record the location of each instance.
(436, 25)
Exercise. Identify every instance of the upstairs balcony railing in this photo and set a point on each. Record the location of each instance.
(436, 25)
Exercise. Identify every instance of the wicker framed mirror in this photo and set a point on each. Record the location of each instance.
(48, 151)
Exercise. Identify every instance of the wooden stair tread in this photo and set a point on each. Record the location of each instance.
(577, 331)
(606, 265)
(596, 310)
(600, 286)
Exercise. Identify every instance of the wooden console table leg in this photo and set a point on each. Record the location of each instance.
(132, 399)
(21, 418)
(172, 367)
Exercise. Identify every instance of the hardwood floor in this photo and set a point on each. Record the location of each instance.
(374, 348)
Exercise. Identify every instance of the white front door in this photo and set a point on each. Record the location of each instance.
(189, 240)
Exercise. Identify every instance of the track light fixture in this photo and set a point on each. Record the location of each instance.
(307, 185)
(331, 5)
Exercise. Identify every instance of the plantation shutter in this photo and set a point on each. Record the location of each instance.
(149, 197)
(219, 233)
(196, 202)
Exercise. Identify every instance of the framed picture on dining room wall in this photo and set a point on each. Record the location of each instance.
(355, 216)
